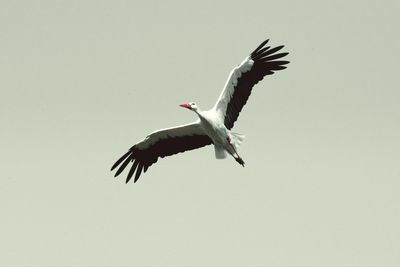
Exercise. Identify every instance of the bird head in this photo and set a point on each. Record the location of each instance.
(191, 106)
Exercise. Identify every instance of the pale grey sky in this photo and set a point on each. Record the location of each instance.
(81, 81)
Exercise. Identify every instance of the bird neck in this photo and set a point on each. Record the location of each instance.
(197, 111)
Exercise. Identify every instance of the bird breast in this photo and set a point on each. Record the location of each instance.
(214, 128)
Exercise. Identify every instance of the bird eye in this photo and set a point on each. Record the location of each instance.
(193, 104)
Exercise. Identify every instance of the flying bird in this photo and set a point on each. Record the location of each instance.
(212, 126)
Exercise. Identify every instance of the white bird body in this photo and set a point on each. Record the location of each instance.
(214, 125)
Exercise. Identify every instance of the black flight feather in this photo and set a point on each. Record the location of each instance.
(144, 158)
(263, 65)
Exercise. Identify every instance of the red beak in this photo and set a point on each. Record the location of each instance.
(188, 106)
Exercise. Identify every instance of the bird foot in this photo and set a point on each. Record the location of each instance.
(240, 161)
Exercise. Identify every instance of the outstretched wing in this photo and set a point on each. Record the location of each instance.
(261, 62)
(161, 143)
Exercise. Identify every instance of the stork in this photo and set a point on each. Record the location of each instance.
(213, 126)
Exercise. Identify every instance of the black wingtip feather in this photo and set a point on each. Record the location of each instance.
(271, 51)
(120, 160)
(274, 56)
(275, 63)
(132, 170)
(263, 50)
(138, 172)
(260, 53)
(123, 166)
(260, 46)
(279, 67)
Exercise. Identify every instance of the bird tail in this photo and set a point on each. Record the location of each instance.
(237, 139)
(220, 152)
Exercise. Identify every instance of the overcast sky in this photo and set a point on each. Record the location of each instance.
(82, 81)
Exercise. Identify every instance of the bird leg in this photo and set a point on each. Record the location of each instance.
(235, 155)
